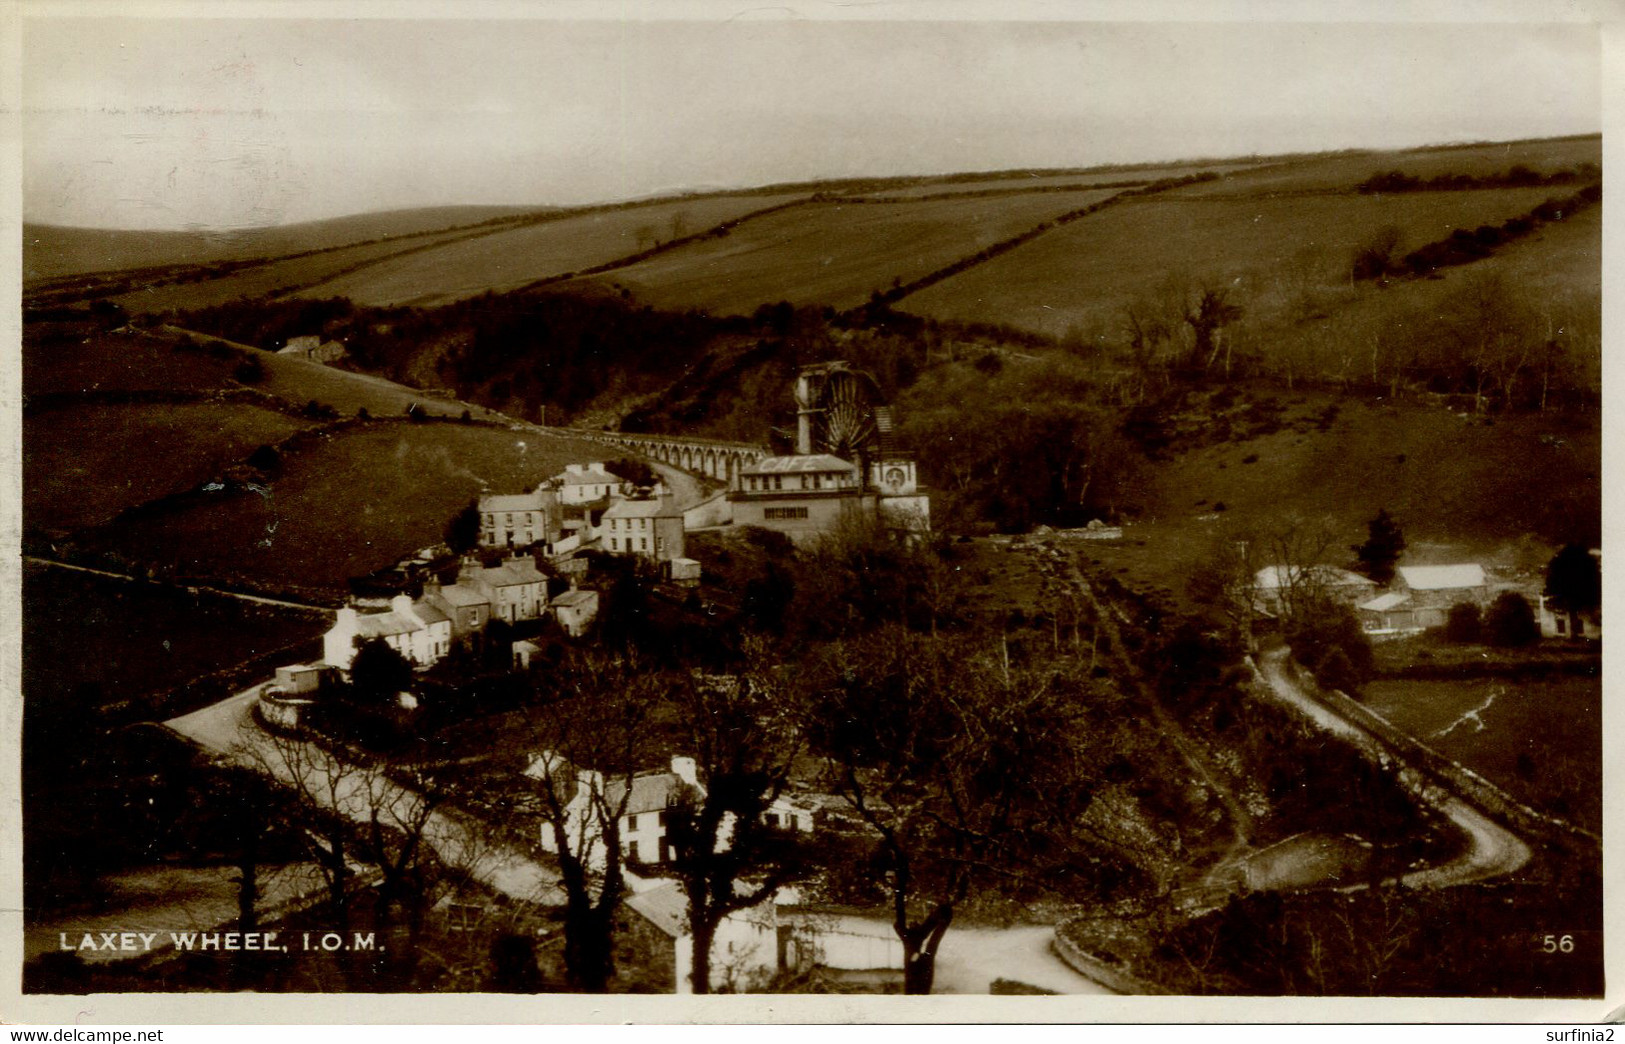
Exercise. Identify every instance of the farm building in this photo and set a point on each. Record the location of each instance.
(642, 823)
(468, 608)
(512, 520)
(585, 484)
(315, 349)
(516, 590)
(575, 610)
(1277, 587)
(744, 952)
(1421, 596)
(651, 528)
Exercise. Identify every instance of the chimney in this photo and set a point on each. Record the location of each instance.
(431, 586)
(685, 770)
(402, 604)
(573, 469)
(588, 782)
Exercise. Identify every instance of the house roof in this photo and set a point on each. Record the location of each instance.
(1382, 603)
(510, 502)
(663, 907)
(382, 625)
(651, 791)
(655, 508)
(458, 595)
(428, 613)
(577, 597)
(303, 343)
(797, 465)
(589, 477)
(1278, 576)
(512, 573)
(1442, 578)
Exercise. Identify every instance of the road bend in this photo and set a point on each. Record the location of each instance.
(1492, 850)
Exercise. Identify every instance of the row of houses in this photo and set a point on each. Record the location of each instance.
(426, 628)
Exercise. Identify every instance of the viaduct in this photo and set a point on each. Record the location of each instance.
(717, 460)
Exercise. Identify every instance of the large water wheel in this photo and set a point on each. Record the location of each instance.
(843, 422)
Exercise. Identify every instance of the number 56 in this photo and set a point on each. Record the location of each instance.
(1558, 944)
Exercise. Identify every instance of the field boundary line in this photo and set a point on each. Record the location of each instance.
(1004, 246)
(188, 588)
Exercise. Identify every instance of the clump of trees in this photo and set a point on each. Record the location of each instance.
(1384, 543)
(1510, 621)
(1029, 444)
(462, 533)
(1465, 623)
(1517, 176)
(1574, 584)
(1464, 246)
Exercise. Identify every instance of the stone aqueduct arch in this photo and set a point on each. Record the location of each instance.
(717, 460)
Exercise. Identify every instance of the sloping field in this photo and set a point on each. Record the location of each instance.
(1051, 182)
(301, 381)
(83, 464)
(515, 257)
(1505, 494)
(123, 640)
(1084, 273)
(52, 251)
(835, 253)
(1444, 476)
(1556, 273)
(281, 276)
(1539, 739)
(345, 504)
(1343, 172)
(73, 358)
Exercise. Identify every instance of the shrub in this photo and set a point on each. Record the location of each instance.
(1510, 621)
(249, 371)
(264, 459)
(1465, 623)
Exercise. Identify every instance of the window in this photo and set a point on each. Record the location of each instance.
(643, 543)
(783, 514)
(778, 483)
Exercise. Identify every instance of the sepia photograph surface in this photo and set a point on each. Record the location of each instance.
(819, 507)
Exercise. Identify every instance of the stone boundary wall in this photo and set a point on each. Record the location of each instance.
(1092, 968)
(1480, 791)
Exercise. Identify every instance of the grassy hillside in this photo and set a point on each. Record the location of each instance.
(1021, 181)
(1080, 277)
(343, 504)
(1537, 738)
(835, 253)
(514, 257)
(1336, 172)
(53, 251)
(97, 642)
(79, 359)
(85, 463)
(163, 291)
(1504, 491)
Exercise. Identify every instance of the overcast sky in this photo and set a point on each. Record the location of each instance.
(162, 123)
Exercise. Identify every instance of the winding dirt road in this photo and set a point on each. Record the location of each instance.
(1492, 850)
